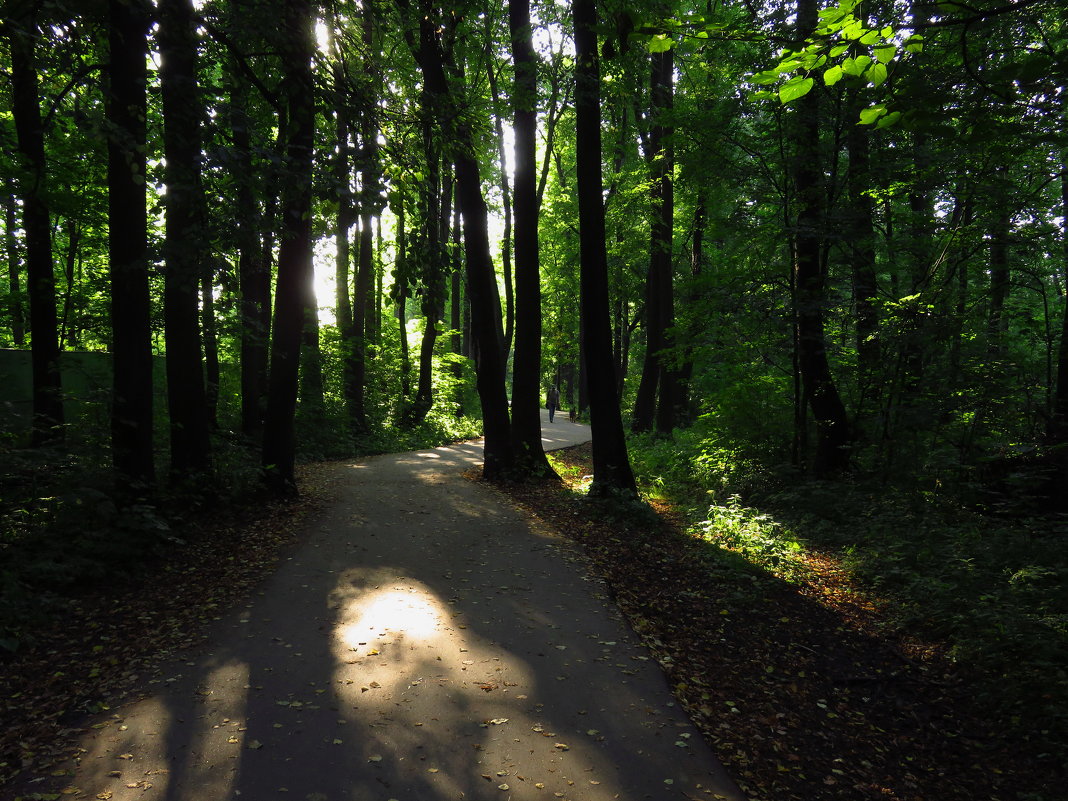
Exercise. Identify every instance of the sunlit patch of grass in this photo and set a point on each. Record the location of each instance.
(572, 473)
(756, 536)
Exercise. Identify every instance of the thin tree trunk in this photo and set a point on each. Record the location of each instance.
(40, 275)
(131, 309)
(697, 258)
(68, 338)
(506, 202)
(611, 464)
(211, 348)
(185, 245)
(295, 255)
(862, 253)
(14, 281)
(997, 323)
(352, 387)
(400, 273)
(662, 245)
(362, 323)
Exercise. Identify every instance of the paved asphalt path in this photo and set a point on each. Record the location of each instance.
(425, 643)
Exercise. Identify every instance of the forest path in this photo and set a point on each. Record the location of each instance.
(426, 641)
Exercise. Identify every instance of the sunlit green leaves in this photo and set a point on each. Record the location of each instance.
(660, 43)
(794, 88)
(885, 54)
(842, 45)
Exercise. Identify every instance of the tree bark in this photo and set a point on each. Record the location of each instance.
(862, 250)
(253, 264)
(611, 464)
(14, 278)
(506, 202)
(486, 330)
(526, 369)
(211, 348)
(185, 245)
(832, 428)
(658, 388)
(131, 308)
(295, 254)
(40, 271)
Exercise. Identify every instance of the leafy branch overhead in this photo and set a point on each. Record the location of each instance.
(842, 47)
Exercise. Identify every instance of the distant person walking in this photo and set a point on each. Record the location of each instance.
(552, 402)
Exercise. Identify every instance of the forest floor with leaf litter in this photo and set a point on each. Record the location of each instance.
(801, 688)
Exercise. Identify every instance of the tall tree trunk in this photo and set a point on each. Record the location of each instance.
(295, 255)
(456, 308)
(1057, 429)
(436, 231)
(14, 280)
(481, 278)
(400, 274)
(611, 464)
(211, 348)
(832, 428)
(506, 202)
(697, 259)
(312, 394)
(185, 244)
(658, 387)
(997, 323)
(362, 323)
(662, 94)
(526, 369)
(131, 308)
(68, 334)
(862, 251)
(40, 271)
(352, 386)
(253, 260)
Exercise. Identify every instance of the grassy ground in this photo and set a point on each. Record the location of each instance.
(815, 670)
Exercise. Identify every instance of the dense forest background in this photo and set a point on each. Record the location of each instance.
(810, 258)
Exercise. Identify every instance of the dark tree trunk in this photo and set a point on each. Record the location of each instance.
(832, 428)
(40, 271)
(362, 323)
(862, 256)
(185, 245)
(432, 261)
(526, 369)
(14, 282)
(997, 323)
(312, 404)
(1057, 429)
(131, 310)
(663, 190)
(611, 464)
(658, 388)
(295, 255)
(697, 259)
(486, 330)
(253, 260)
